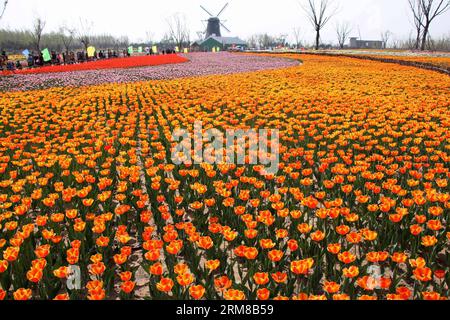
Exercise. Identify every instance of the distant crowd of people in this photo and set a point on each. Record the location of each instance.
(36, 59)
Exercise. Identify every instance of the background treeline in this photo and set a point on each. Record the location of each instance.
(19, 40)
(265, 41)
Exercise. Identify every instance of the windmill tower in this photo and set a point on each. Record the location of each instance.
(214, 23)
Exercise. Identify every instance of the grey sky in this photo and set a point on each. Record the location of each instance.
(244, 17)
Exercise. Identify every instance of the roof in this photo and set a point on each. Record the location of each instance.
(370, 40)
(354, 38)
(224, 40)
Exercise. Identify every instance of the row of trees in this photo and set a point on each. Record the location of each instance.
(66, 38)
(62, 40)
(70, 38)
(343, 30)
(320, 12)
(265, 40)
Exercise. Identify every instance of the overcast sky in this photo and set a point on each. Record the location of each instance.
(135, 18)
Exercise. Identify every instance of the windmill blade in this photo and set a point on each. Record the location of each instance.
(223, 26)
(224, 7)
(206, 11)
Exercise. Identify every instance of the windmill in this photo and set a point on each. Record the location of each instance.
(214, 23)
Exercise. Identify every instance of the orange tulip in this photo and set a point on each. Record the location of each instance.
(250, 253)
(261, 278)
(185, 279)
(222, 283)
(429, 241)
(431, 296)
(331, 287)
(34, 275)
(22, 294)
(62, 297)
(11, 254)
(423, 274)
(165, 285)
(205, 243)
(263, 294)
(128, 286)
(3, 266)
(156, 269)
(317, 236)
(232, 294)
(97, 268)
(61, 272)
(275, 255)
(302, 266)
(346, 257)
(212, 264)
(334, 248)
(2, 294)
(351, 272)
(197, 292)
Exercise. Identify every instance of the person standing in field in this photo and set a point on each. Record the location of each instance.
(31, 60)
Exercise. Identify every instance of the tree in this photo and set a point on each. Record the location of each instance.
(385, 36)
(265, 41)
(123, 41)
(36, 33)
(67, 36)
(431, 9)
(297, 32)
(178, 30)
(418, 17)
(281, 40)
(167, 40)
(3, 9)
(319, 15)
(84, 33)
(253, 41)
(343, 31)
(149, 36)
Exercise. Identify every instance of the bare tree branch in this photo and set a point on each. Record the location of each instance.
(431, 10)
(385, 36)
(343, 31)
(5, 4)
(84, 33)
(36, 33)
(178, 30)
(67, 36)
(418, 17)
(319, 13)
(297, 32)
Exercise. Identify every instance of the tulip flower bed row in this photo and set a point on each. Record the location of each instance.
(443, 62)
(436, 58)
(440, 64)
(435, 63)
(358, 210)
(118, 63)
(199, 64)
(432, 58)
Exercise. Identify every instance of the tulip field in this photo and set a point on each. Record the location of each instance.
(130, 62)
(92, 206)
